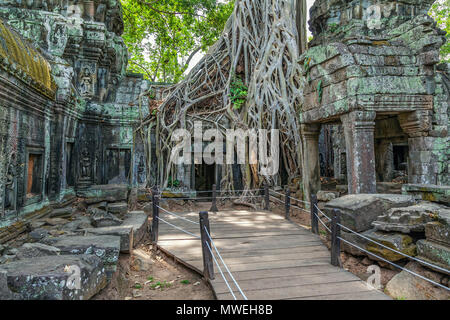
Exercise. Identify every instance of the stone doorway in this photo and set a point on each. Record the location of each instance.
(205, 177)
(118, 163)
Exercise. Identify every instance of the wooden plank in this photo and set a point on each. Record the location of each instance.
(299, 251)
(236, 259)
(304, 291)
(287, 281)
(278, 264)
(368, 295)
(253, 242)
(275, 273)
(231, 235)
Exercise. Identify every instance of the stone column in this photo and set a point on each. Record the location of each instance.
(423, 166)
(311, 167)
(359, 127)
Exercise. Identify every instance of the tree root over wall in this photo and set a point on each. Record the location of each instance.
(259, 46)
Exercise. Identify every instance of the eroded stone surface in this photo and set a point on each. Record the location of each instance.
(32, 250)
(100, 193)
(101, 218)
(405, 286)
(434, 253)
(398, 241)
(412, 218)
(358, 211)
(105, 247)
(62, 212)
(47, 277)
(119, 208)
(326, 195)
(137, 220)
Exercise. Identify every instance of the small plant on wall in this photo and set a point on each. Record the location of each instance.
(238, 92)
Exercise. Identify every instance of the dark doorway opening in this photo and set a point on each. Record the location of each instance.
(401, 158)
(205, 177)
(70, 173)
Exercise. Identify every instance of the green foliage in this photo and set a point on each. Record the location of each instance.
(174, 183)
(440, 12)
(238, 92)
(161, 35)
(185, 282)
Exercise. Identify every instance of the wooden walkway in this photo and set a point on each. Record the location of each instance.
(270, 257)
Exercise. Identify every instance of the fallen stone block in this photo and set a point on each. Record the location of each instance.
(406, 286)
(55, 221)
(434, 253)
(358, 211)
(102, 218)
(438, 232)
(327, 195)
(119, 208)
(63, 277)
(62, 212)
(33, 250)
(105, 247)
(136, 220)
(428, 192)
(398, 241)
(38, 234)
(81, 222)
(108, 192)
(411, 218)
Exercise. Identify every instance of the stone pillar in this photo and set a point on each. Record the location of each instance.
(359, 127)
(311, 167)
(423, 166)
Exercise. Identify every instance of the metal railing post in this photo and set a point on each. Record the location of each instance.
(335, 241)
(208, 267)
(214, 199)
(287, 203)
(314, 213)
(155, 220)
(266, 196)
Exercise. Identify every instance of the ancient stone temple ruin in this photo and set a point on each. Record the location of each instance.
(74, 161)
(378, 83)
(68, 106)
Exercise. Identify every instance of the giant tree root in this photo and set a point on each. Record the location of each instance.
(259, 46)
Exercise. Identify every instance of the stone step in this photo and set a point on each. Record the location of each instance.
(53, 278)
(136, 220)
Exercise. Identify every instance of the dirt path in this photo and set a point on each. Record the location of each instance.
(154, 276)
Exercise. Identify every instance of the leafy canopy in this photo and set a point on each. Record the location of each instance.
(440, 12)
(163, 35)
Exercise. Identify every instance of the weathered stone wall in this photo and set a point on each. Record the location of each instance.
(371, 61)
(80, 117)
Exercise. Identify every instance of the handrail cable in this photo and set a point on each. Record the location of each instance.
(225, 265)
